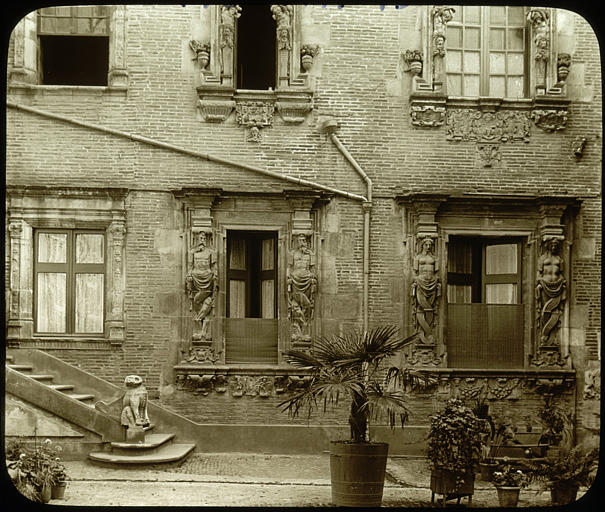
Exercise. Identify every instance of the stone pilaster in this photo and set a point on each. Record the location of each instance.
(118, 72)
(115, 321)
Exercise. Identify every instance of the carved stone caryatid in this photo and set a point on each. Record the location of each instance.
(226, 39)
(442, 14)
(426, 290)
(283, 16)
(550, 293)
(539, 19)
(201, 285)
(134, 408)
(302, 287)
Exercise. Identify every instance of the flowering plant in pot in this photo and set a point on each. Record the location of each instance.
(35, 471)
(350, 368)
(508, 482)
(454, 450)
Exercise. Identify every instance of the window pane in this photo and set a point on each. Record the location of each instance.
(454, 85)
(268, 298)
(497, 15)
(52, 247)
(515, 87)
(90, 248)
(459, 294)
(454, 37)
(496, 39)
(471, 86)
(471, 62)
(497, 86)
(51, 304)
(89, 303)
(515, 63)
(496, 63)
(453, 61)
(457, 14)
(237, 299)
(268, 255)
(505, 293)
(237, 258)
(472, 14)
(472, 38)
(516, 16)
(515, 39)
(501, 259)
(460, 258)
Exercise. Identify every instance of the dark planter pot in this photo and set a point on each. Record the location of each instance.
(444, 482)
(358, 471)
(508, 496)
(58, 491)
(487, 471)
(45, 493)
(562, 494)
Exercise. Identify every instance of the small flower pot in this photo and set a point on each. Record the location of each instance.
(562, 494)
(203, 58)
(306, 62)
(508, 496)
(58, 491)
(415, 67)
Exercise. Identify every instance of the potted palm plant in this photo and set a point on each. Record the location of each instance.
(349, 367)
(454, 451)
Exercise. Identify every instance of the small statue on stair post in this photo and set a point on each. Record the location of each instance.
(134, 409)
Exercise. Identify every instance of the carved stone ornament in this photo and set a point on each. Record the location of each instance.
(216, 111)
(489, 153)
(253, 134)
(563, 63)
(592, 384)
(255, 113)
(202, 52)
(539, 19)
(548, 359)
(201, 285)
(501, 388)
(551, 293)
(469, 388)
(424, 356)
(427, 115)
(282, 14)
(202, 355)
(413, 58)
(550, 120)
(425, 290)
(441, 16)
(550, 385)
(134, 403)
(475, 125)
(229, 13)
(301, 281)
(263, 386)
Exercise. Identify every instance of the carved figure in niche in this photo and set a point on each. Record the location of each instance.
(550, 293)
(425, 290)
(134, 403)
(201, 284)
(302, 285)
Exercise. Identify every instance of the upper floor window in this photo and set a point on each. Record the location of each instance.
(256, 48)
(486, 52)
(69, 283)
(73, 45)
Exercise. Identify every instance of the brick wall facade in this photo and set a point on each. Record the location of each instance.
(360, 79)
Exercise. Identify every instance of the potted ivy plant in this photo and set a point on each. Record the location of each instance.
(350, 367)
(508, 482)
(454, 451)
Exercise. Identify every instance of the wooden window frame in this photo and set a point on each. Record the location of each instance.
(71, 269)
(484, 52)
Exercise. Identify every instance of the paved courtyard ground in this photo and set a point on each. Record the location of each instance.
(253, 480)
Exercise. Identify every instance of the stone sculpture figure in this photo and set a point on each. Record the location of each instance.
(425, 291)
(201, 284)
(302, 286)
(134, 404)
(550, 293)
(282, 14)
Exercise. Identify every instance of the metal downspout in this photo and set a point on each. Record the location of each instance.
(367, 207)
(205, 156)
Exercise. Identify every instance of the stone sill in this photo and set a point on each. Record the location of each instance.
(237, 369)
(63, 343)
(66, 90)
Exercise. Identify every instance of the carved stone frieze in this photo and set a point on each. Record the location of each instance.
(548, 359)
(255, 113)
(202, 355)
(468, 388)
(501, 388)
(427, 115)
(498, 126)
(550, 385)
(263, 386)
(550, 120)
(489, 153)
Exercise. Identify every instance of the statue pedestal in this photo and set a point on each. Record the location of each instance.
(135, 435)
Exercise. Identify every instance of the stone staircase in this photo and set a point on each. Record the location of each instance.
(156, 448)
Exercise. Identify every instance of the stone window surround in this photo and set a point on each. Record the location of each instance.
(532, 218)
(430, 104)
(218, 97)
(29, 208)
(24, 73)
(289, 214)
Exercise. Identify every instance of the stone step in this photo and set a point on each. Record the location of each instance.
(152, 444)
(167, 453)
(81, 397)
(41, 377)
(61, 387)
(21, 367)
(9, 359)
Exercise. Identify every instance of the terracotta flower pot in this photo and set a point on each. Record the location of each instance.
(58, 491)
(508, 496)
